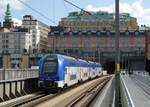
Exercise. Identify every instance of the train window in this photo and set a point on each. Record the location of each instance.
(85, 74)
(72, 63)
(49, 66)
(73, 77)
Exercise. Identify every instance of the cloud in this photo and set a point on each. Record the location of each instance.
(17, 22)
(135, 9)
(14, 4)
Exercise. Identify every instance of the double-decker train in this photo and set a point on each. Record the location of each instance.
(58, 71)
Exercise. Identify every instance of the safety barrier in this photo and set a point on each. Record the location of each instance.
(11, 74)
(125, 95)
(10, 89)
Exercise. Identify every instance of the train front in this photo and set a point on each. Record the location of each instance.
(49, 75)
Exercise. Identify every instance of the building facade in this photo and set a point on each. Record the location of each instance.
(39, 32)
(16, 42)
(104, 41)
(102, 21)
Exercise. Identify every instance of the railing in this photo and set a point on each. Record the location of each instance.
(11, 74)
(126, 98)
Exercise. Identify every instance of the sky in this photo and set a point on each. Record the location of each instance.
(57, 9)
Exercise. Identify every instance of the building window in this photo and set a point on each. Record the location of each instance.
(125, 49)
(7, 41)
(3, 41)
(138, 39)
(77, 38)
(76, 29)
(127, 33)
(52, 33)
(100, 29)
(110, 49)
(72, 39)
(108, 33)
(83, 29)
(70, 33)
(3, 46)
(61, 33)
(89, 33)
(98, 33)
(80, 33)
(92, 29)
(136, 33)
(7, 46)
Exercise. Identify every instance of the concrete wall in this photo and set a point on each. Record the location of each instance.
(12, 74)
(6, 61)
(16, 88)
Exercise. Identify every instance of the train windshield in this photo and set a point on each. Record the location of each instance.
(49, 67)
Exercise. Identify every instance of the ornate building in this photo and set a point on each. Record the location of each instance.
(102, 21)
(8, 19)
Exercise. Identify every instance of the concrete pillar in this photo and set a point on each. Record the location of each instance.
(25, 61)
(12, 90)
(17, 89)
(23, 92)
(6, 61)
(5, 91)
(1, 92)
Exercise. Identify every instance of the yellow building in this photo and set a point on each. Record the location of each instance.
(4, 30)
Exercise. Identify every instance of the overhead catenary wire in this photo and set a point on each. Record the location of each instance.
(77, 7)
(53, 9)
(65, 6)
(41, 14)
(81, 9)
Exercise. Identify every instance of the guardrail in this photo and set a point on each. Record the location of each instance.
(125, 95)
(11, 74)
(10, 89)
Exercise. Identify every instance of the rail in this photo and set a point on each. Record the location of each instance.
(127, 101)
(84, 93)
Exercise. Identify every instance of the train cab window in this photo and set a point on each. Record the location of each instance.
(49, 67)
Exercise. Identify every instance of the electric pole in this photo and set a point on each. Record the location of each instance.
(117, 35)
(117, 54)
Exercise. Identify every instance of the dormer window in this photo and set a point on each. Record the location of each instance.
(52, 33)
(127, 33)
(136, 33)
(98, 33)
(89, 33)
(108, 33)
(80, 33)
(70, 33)
(61, 33)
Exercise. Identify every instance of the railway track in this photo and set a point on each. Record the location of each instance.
(22, 100)
(42, 97)
(80, 96)
(89, 96)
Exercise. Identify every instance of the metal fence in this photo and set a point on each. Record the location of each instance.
(11, 74)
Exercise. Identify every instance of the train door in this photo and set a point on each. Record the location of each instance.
(66, 76)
